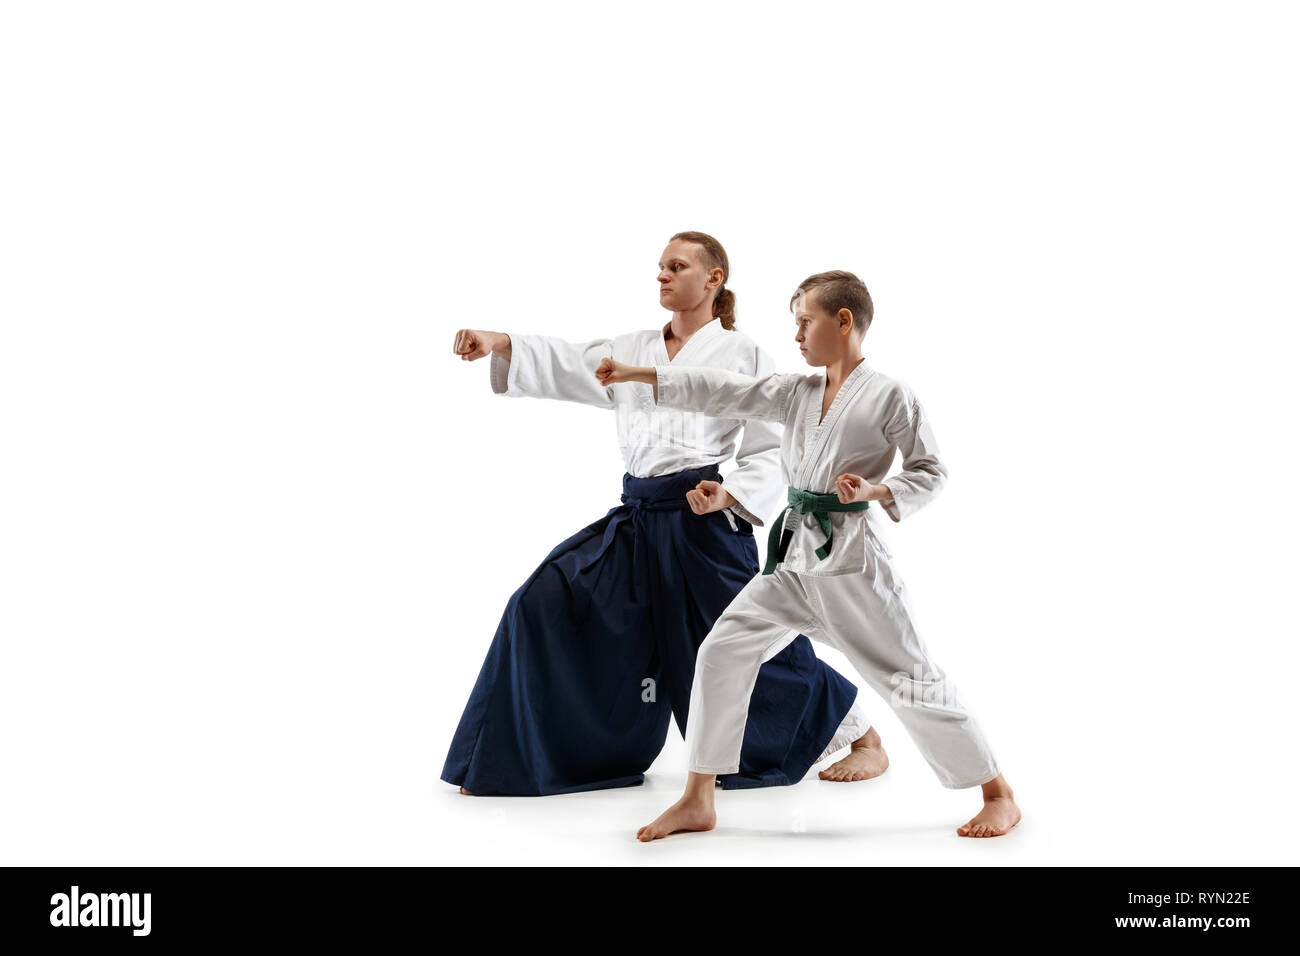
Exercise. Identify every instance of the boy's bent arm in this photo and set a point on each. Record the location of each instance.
(725, 394)
(923, 473)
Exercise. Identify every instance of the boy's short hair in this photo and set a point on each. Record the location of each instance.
(837, 290)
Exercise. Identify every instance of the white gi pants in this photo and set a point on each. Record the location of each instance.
(867, 618)
(855, 724)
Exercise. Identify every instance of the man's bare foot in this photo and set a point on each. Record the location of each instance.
(466, 792)
(682, 815)
(867, 759)
(999, 815)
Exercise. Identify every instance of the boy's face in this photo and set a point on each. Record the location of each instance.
(818, 334)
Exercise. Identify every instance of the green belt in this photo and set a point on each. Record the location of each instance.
(806, 503)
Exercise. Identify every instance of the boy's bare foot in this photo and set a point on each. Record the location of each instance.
(682, 815)
(999, 815)
(867, 759)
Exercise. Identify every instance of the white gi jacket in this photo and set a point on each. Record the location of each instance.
(871, 417)
(659, 441)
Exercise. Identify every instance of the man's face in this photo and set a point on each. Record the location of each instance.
(683, 281)
(817, 333)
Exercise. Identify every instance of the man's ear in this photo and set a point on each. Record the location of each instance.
(846, 320)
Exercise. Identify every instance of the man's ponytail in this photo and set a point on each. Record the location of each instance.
(724, 308)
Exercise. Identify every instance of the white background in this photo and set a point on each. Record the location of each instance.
(259, 524)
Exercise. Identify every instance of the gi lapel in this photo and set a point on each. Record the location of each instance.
(704, 332)
(820, 434)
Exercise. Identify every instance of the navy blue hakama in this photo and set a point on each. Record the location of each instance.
(598, 646)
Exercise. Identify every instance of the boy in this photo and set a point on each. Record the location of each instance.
(827, 574)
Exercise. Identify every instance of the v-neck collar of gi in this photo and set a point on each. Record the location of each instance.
(705, 331)
(817, 432)
(850, 384)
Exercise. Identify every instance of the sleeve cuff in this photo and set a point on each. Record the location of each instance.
(741, 510)
(890, 506)
(500, 374)
(662, 378)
